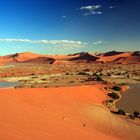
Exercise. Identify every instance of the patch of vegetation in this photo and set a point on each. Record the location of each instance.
(32, 86)
(114, 96)
(43, 79)
(121, 112)
(83, 73)
(116, 88)
(131, 117)
(86, 70)
(123, 84)
(71, 82)
(67, 73)
(99, 78)
(111, 101)
(136, 114)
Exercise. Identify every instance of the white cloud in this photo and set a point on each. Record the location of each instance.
(64, 16)
(47, 42)
(112, 7)
(91, 7)
(92, 13)
(97, 42)
(92, 10)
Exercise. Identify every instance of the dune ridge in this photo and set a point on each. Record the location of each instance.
(83, 57)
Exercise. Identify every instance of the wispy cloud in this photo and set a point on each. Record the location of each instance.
(91, 7)
(97, 42)
(42, 41)
(67, 43)
(92, 13)
(92, 10)
(64, 17)
(112, 7)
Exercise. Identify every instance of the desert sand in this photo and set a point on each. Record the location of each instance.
(62, 113)
(112, 56)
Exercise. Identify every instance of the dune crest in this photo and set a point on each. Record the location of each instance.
(83, 57)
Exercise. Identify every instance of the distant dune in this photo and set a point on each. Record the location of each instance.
(41, 60)
(83, 57)
(112, 53)
(121, 57)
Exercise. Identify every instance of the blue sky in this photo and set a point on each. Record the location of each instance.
(66, 26)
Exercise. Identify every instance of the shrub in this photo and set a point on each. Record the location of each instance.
(67, 73)
(110, 101)
(83, 73)
(99, 78)
(116, 88)
(123, 84)
(121, 112)
(114, 96)
(87, 70)
(136, 114)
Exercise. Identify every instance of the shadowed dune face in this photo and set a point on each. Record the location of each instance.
(84, 57)
(41, 60)
(111, 53)
(137, 53)
(26, 57)
(121, 57)
(60, 113)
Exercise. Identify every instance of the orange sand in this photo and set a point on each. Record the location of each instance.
(65, 113)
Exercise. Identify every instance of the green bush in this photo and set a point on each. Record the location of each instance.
(123, 84)
(116, 88)
(114, 96)
(83, 73)
(121, 112)
(136, 114)
(110, 101)
(99, 78)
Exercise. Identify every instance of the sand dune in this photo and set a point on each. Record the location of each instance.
(121, 57)
(61, 113)
(84, 57)
(113, 56)
(26, 57)
(111, 53)
(40, 60)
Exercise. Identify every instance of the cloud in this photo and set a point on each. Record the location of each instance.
(97, 42)
(64, 16)
(63, 43)
(92, 10)
(92, 13)
(112, 7)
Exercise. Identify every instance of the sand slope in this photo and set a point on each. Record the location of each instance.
(83, 57)
(121, 57)
(60, 114)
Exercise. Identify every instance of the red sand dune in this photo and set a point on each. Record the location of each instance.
(121, 57)
(84, 57)
(26, 57)
(40, 60)
(63, 113)
(113, 56)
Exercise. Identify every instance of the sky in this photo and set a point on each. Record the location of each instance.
(69, 26)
